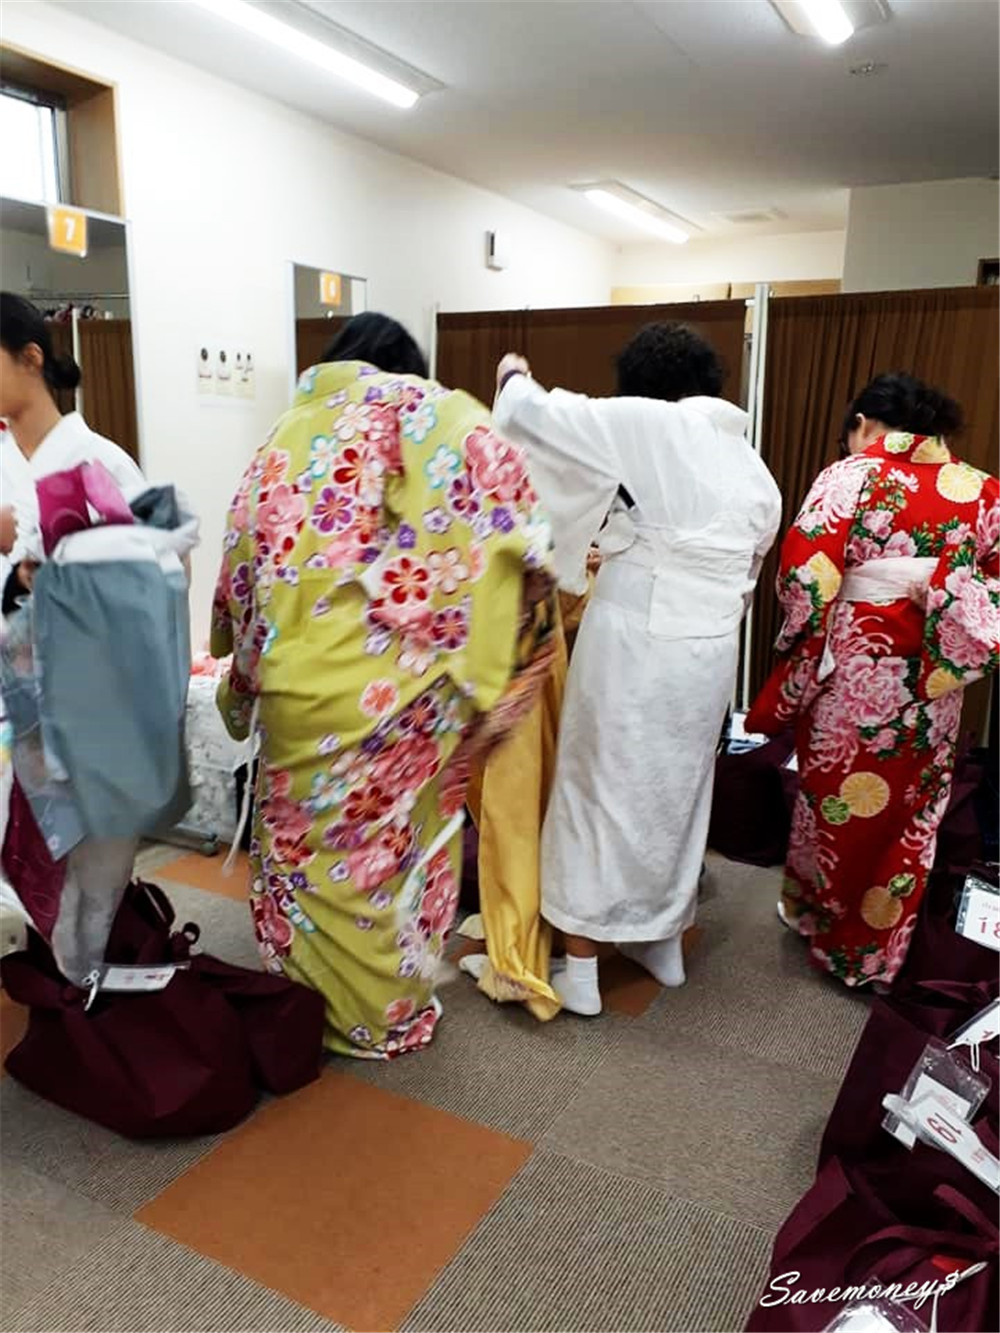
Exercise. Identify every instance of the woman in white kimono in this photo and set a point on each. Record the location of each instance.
(691, 512)
(39, 440)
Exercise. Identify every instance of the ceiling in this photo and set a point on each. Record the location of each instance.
(708, 107)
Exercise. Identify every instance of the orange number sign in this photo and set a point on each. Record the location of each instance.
(68, 231)
(329, 288)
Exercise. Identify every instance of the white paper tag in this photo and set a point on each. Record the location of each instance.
(137, 978)
(984, 1027)
(979, 913)
(924, 1085)
(952, 1135)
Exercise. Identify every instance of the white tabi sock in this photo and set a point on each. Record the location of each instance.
(662, 959)
(577, 986)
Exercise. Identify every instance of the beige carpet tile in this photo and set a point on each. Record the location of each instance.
(136, 1281)
(569, 1247)
(725, 1129)
(44, 1229)
(118, 1173)
(496, 1064)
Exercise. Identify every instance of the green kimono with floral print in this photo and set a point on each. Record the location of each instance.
(380, 556)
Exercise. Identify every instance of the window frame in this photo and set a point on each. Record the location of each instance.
(55, 103)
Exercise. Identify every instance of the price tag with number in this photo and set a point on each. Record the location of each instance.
(979, 913)
(932, 1118)
(68, 231)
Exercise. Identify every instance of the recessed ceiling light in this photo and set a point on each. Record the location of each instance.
(826, 19)
(261, 24)
(621, 202)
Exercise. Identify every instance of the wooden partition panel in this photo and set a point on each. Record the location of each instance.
(577, 348)
(312, 338)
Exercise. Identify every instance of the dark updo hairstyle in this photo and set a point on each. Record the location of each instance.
(669, 361)
(379, 341)
(20, 326)
(905, 404)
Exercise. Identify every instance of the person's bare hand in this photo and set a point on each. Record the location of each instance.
(511, 364)
(594, 560)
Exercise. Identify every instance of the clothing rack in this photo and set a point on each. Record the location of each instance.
(36, 296)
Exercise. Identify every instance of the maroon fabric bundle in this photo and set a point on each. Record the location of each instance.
(843, 1234)
(188, 1059)
(936, 950)
(147, 1065)
(752, 803)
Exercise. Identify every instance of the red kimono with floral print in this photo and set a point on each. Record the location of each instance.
(875, 688)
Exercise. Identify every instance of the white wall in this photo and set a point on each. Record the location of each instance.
(792, 258)
(930, 234)
(216, 216)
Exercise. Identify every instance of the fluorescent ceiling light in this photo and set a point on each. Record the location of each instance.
(297, 43)
(637, 215)
(828, 19)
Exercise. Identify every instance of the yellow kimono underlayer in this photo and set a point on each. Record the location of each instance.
(508, 798)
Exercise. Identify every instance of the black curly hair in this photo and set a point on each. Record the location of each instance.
(904, 403)
(669, 361)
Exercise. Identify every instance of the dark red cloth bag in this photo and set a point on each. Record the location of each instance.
(186, 1060)
(282, 1020)
(890, 1045)
(752, 803)
(146, 1064)
(841, 1234)
(936, 950)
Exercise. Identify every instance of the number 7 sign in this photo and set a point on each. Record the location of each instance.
(68, 231)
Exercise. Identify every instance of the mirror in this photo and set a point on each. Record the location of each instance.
(86, 300)
(321, 300)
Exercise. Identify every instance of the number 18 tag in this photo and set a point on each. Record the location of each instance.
(979, 913)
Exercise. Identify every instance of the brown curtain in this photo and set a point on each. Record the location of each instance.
(312, 338)
(470, 345)
(577, 348)
(822, 350)
(109, 381)
(62, 345)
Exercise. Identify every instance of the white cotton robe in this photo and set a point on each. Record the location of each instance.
(67, 445)
(655, 661)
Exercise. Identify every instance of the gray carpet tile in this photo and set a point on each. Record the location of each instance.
(569, 1247)
(44, 1229)
(750, 984)
(496, 1064)
(716, 1126)
(136, 1281)
(85, 1157)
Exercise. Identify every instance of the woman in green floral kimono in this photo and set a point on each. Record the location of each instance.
(386, 600)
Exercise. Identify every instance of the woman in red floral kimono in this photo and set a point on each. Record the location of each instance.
(890, 589)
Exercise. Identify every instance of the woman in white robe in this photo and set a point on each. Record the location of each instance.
(691, 513)
(36, 442)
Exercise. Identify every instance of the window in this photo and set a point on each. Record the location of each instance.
(32, 126)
